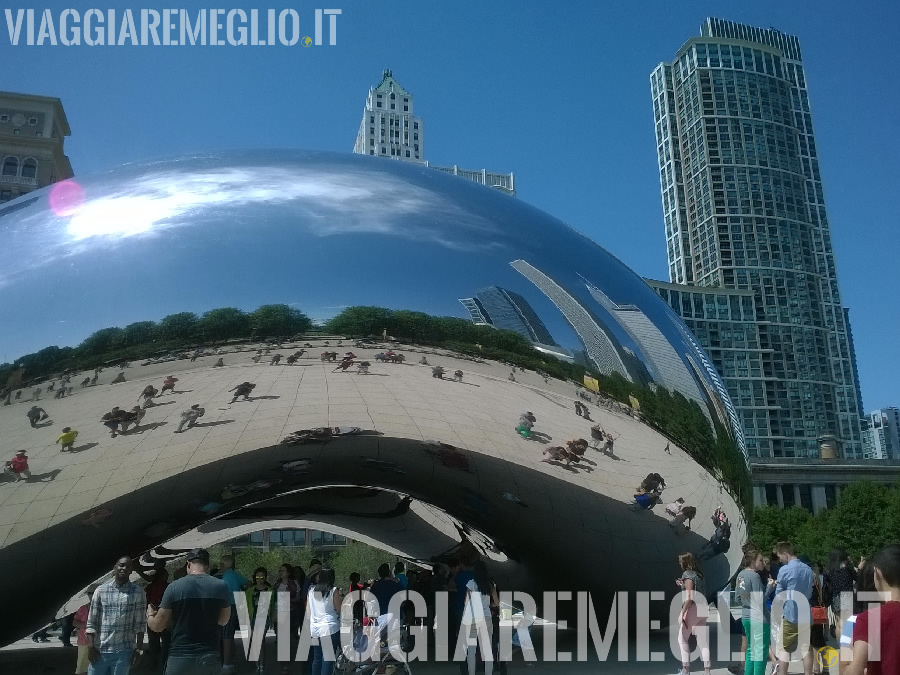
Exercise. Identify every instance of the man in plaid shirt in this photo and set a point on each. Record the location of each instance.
(116, 623)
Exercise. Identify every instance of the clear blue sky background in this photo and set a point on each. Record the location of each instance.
(555, 91)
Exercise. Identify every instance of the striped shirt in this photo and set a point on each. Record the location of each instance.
(117, 615)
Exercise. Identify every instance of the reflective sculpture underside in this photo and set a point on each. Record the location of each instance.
(97, 265)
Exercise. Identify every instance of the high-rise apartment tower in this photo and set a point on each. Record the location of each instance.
(744, 209)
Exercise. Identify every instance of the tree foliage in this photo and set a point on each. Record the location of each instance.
(279, 321)
(224, 323)
(181, 326)
(865, 519)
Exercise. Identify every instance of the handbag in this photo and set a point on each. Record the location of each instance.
(819, 616)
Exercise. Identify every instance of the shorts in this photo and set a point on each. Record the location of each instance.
(789, 635)
(82, 663)
(229, 629)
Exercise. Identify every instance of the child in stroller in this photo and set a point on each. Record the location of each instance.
(370, 651)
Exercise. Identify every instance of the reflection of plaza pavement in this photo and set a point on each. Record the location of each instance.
(404, 403)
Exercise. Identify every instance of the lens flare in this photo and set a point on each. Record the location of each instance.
(65, 197)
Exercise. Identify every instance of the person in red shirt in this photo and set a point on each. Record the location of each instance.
(79, 623)
(887, 660)
(168, 385)
(18, 466)
(158, 643)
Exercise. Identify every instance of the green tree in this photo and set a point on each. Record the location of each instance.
(181, 326)
(103, 340)
(772, 524)
(279, 320)
(360, 321)
(224, 323)
(139, 333)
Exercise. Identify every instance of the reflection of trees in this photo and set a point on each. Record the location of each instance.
(172, 333)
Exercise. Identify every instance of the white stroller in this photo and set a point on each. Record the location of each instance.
(379, 629)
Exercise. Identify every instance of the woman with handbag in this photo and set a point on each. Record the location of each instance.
(690, 622)
(819, 612)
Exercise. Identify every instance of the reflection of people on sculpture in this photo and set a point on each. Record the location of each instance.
(423, 361)
(120, 378)
(35, 415)
(682, 520)
(458, 375)
(168, 385)
(512, 377)
(343, 365)
(243, 389)
(438, 372)
(275, 360)
(675, 507)
(190, 417)
(526, 423)
(598, 435)
(362, 368)
(653, 483)
(720, 542)
(644, 501)
(219, 364)
(111, 421)
(18, 466)
(148, 394)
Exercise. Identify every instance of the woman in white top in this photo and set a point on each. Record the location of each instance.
(481, 595)
(324, 603)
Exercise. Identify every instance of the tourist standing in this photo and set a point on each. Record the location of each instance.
(236, 583)
(116, 623)
(79, 622)
(254, 593)
(324, 604)
(840, 577)
(794, 576)
(689, 621)
(883, 621)
(196, 606)
(18, 466)
(750, 591)
(480, 597)
(35, 415)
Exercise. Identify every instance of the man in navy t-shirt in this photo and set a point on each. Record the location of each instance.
(196, 606)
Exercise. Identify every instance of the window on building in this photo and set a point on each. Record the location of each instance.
(393, 106)
(830, 496)
(407, 153)
(415, 125)
(29, 168)
(406, 108)
(5, 195)
(371, 152)
(379, 104)
(416, 147)
(256, 538)
(806, 497)
(383, 151)
(787, 495)
(393, 97)
(371, 119)
(275, 537)
(38, 134)
(16, 132)
(11, 166)
(4, 118)
(32, 121)
(772, 495)
(371, 141)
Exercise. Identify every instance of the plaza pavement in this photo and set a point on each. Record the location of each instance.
(395, 399)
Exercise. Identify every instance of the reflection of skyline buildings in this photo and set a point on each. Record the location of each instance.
(667, 368)
(601, 347)
(503, 309)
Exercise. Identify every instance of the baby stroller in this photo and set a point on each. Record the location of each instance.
(377, 661)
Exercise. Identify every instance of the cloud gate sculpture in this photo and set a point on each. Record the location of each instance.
(188, 267)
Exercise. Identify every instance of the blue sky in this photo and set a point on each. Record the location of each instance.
(556, 92)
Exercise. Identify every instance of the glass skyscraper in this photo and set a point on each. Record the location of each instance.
(501, 308)
(744, 209)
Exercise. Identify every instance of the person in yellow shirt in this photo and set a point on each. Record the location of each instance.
(67, 439)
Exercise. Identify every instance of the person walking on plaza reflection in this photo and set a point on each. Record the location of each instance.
(168, 385)
(119, 379)
(324, 603)
(94, 379)
(61, 392)
(527, 421)
(257, 356)
(18, 466)
(794, 576)
(85, 382)
(235, 582)
(67, 439)
(689, 620)
(149, 392)
(681, 522)
(219, 364)
(190, 417)
(196, 606)
(276, 359)
(35, 415)
(243, 389)
(36, 394)
(458, 375)
(111, 421)
(116, 623)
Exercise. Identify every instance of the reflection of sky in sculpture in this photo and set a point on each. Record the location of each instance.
(316, 230)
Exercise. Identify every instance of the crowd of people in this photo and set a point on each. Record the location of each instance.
(837, 612)
(190, 623)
